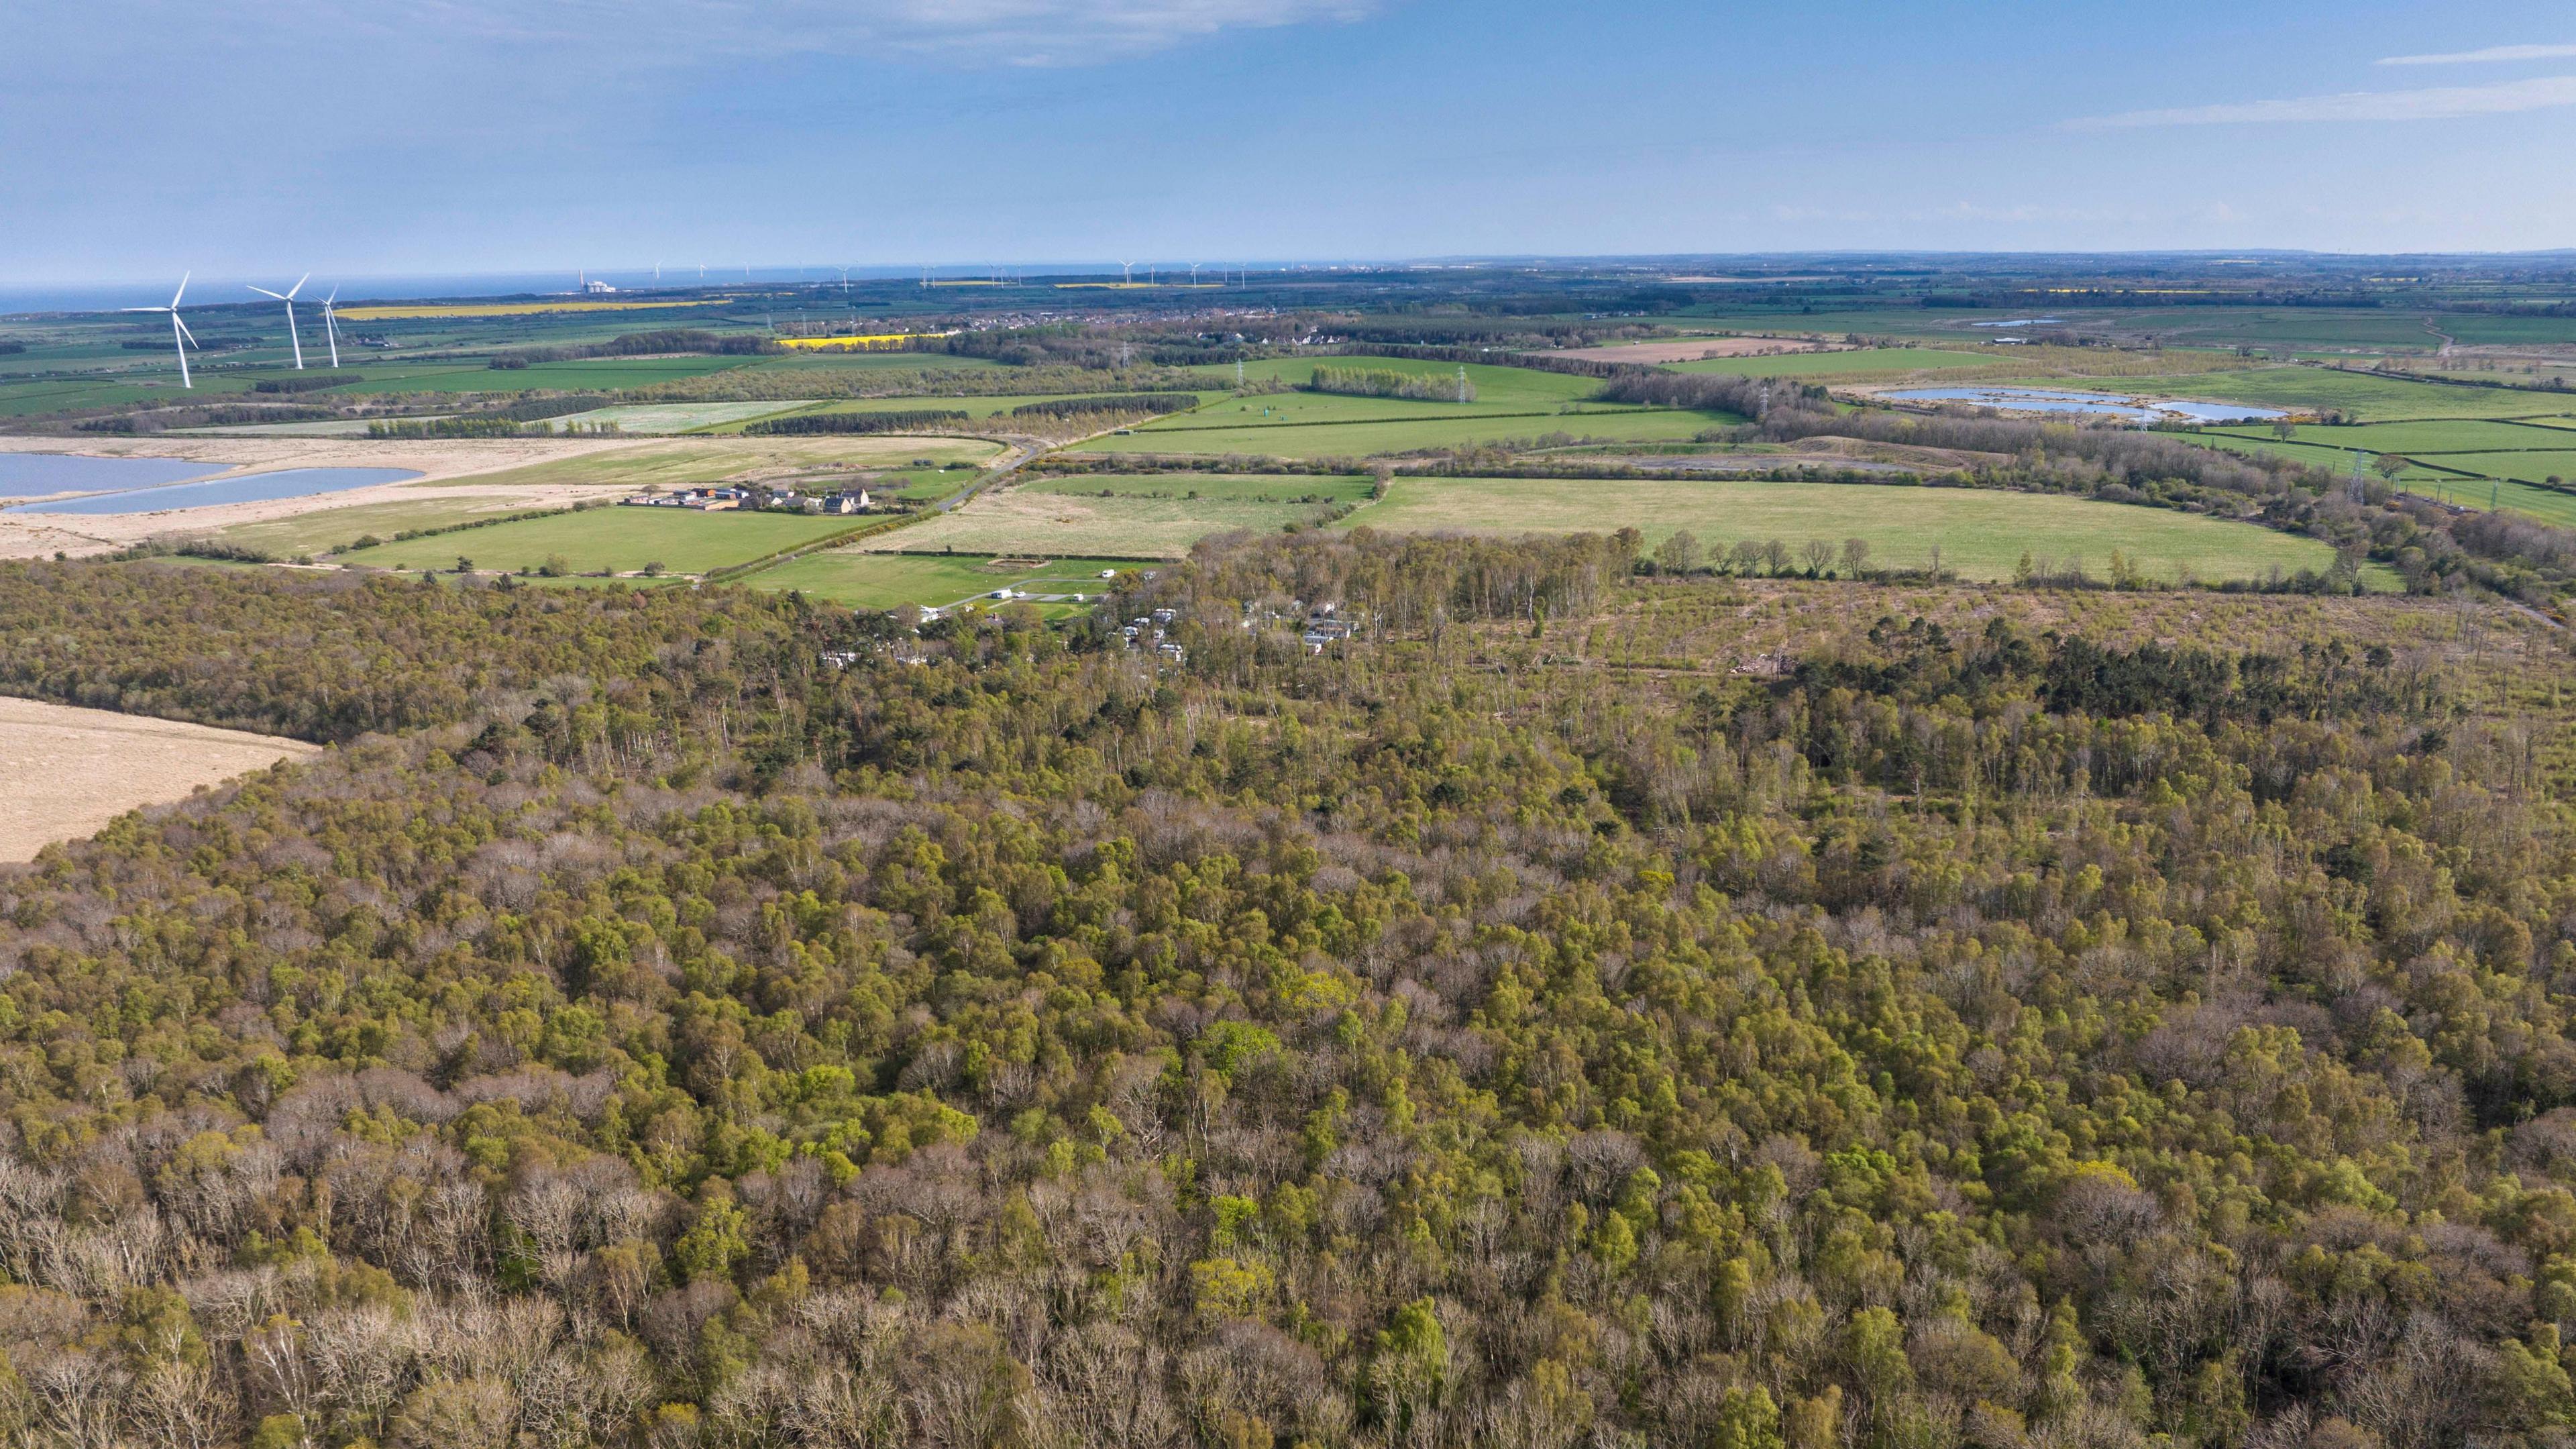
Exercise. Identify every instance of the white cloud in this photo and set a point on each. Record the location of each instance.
(2491, 53)
(1011, 32)
(2438, 103)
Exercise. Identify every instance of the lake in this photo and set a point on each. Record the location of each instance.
(26, 474)
(2053, 400)
(249, 488)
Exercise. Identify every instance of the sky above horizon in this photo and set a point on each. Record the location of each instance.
(145, 137)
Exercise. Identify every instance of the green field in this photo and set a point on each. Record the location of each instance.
(1498, 389)
(598, 374)
(2428, 438)
(2532, 467)
(2317, 455)
(2439, 475)
(329, 528)
(1981, 534)
(619, 540)
(883, 580)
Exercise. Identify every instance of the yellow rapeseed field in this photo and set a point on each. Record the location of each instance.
(876, 342)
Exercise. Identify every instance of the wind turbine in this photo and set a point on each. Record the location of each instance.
(331, 325)
(288, 297)
(1194, 276)
(180, 336)
(1127, 274)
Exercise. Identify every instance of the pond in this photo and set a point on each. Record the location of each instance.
(24, 475)
(249, 488)
(2055, 400)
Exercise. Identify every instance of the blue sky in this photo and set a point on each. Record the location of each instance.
(141, 137)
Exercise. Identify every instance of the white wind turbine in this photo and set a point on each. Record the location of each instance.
(331, 325)
(180, 336)
(288, 297)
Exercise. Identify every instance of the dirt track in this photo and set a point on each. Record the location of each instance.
(66, 772)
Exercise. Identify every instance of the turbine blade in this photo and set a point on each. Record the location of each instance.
(299, 284)
(183, 290)
(184, 332)
(263, 291)
(142, 309)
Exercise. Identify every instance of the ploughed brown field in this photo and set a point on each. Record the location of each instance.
(66, 772)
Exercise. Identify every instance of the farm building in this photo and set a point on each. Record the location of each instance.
(704, 500)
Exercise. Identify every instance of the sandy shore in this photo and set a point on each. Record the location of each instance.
(42, 535)
(66, 772)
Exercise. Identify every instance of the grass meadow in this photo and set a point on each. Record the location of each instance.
(2427, 438)
(324, 530)
(599, 374)
(619, 540)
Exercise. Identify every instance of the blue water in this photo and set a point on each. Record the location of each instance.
(249, 488)
(22, 474)
(2052, 400)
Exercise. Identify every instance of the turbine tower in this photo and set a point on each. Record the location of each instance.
(180, 336)
(331, 325)
(288, 297)
(1127, 274)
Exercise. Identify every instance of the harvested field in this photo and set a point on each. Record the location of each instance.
(1027, 522)
(1980, 533)
(66, 772)
(1694, 349)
